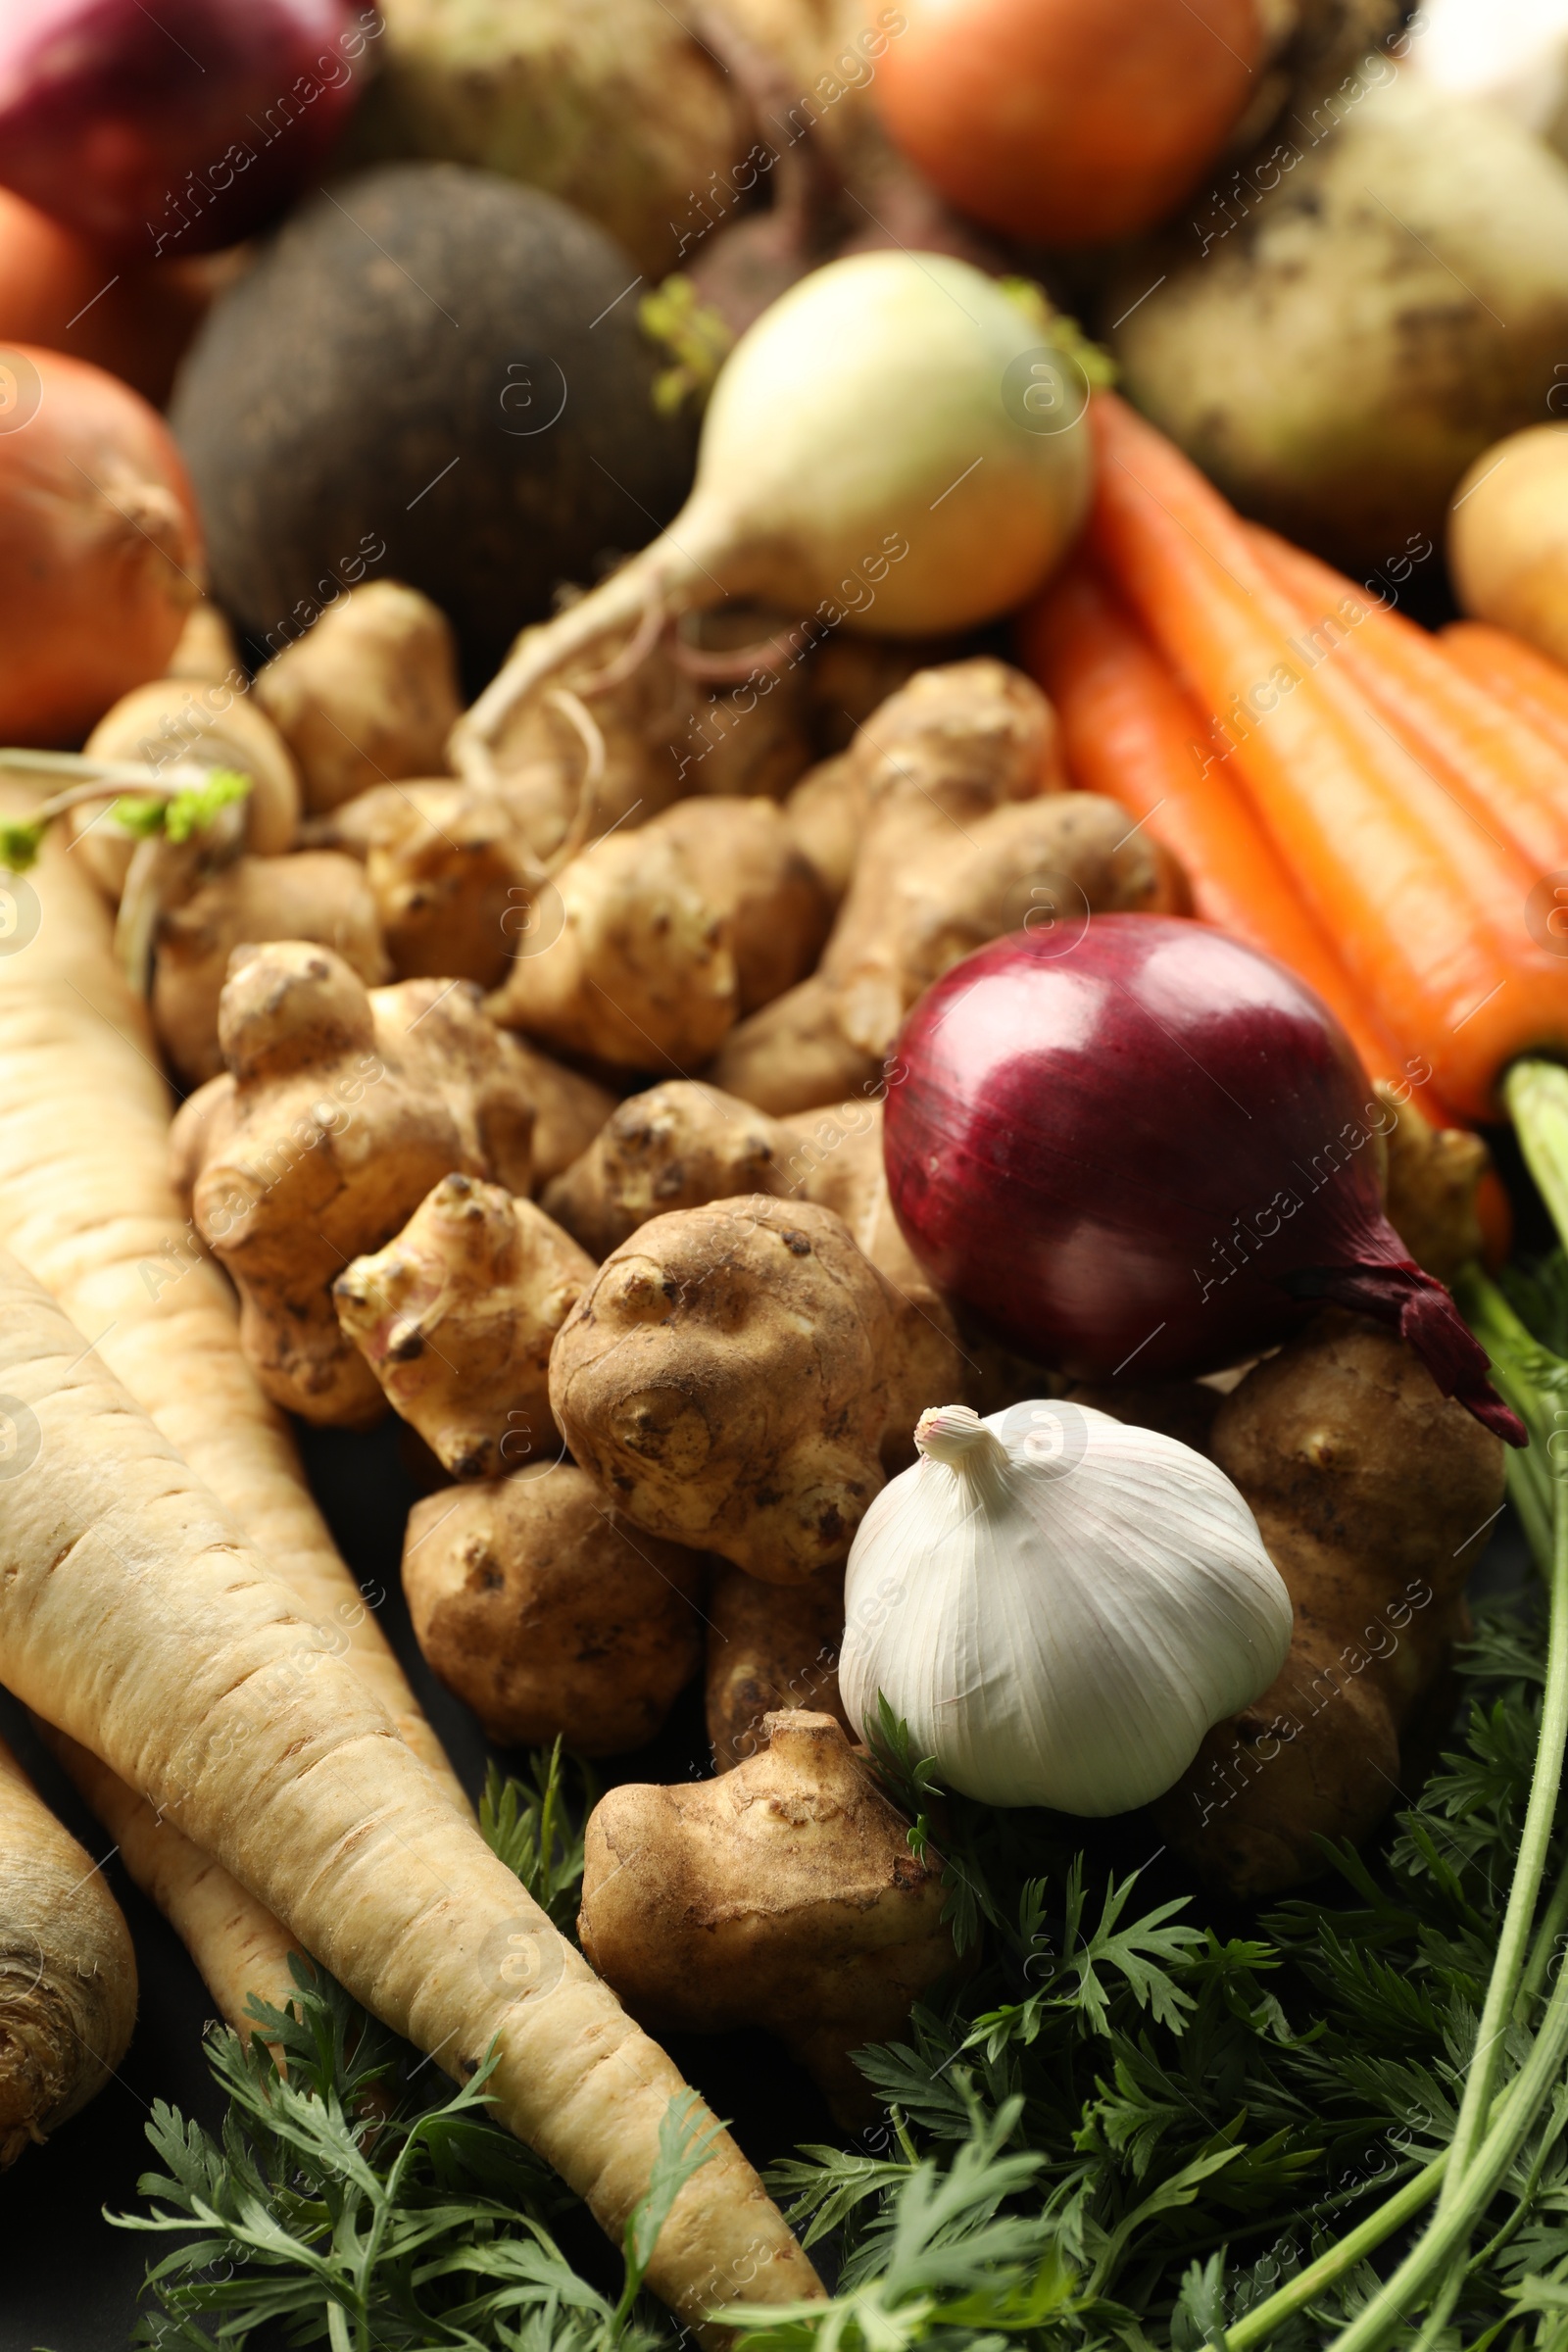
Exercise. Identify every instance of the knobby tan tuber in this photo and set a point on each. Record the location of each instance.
(339, 1114)
(741, 1379)
(542, 1609)
(68, 1974)
(314, 895)
(1369, 1489)
(649, 944)
(769, 1647)
(943, 786)
(1430, 1187)
(781, 1894)
(456, 1318)
(452, 877)
(181, 721)
(367, 696)
(678, 1145)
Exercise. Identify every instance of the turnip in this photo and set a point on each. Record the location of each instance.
(896, 446)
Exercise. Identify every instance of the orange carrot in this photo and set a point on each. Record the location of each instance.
(1510, 777)
(1129, 732)
(1431, 914)
(1530, 683)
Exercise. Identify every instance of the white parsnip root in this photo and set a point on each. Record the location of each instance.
(236, 1944)
(68, 1974)
(135, 1617)
(86, 1203)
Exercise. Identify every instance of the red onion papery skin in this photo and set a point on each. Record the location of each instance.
(1150, 1150)
(129, 121)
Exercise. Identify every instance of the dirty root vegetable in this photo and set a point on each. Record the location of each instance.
(339, 1111)
(179, 131)
(1347, 422)
(317, 895)
(456, 1318)
(740, 1378)
(367, 696)
(781, 1894)
(1059, 1606)
(1153, 1142)
(103, 547)
(1070, 121)
(134, 1614)
(769, 1647)
(822, 490)
(68, 1972)
(548, 1614)
(611, 105)
(1368, 1489)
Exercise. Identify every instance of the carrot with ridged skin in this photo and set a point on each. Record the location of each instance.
(1510, 778)
(135, 1617)
(68, 1974)
(1429, 915)
(1531, 683)
(86, 1203)
(237, 1945)
(1129, 732)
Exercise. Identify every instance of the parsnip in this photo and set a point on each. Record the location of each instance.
(68, 1974)
(86, 1203)
(135, 1615)
(236, 1944)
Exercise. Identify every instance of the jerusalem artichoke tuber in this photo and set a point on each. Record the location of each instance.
(548, 1614)
(456, 1318)
(782, 1894)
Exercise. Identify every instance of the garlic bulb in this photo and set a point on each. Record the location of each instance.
(1059, 1605)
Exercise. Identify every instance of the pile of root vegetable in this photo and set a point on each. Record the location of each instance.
(813, 982)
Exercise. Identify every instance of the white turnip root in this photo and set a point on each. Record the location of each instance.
(866, 458)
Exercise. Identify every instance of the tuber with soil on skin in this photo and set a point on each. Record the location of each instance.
(315, 894)
(1370, 1489)
(647, 947)
(741, 1379)
(68, 1972)
(456, 1318)
(678, 1146)
(200, 724)
(339, 1114)
(1348, 427)
(540, 1607)
(955, 849)
(134, 1614)
(1430, 1188)
(769, 1647)
(368, 695)
(781, 1894)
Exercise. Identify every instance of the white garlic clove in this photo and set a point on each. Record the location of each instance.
(1059, 1605)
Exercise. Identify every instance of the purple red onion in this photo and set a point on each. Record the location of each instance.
(176, 128)
(1151, 1154)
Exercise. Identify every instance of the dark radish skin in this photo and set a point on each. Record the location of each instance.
(1149, 1152)
(177, 129)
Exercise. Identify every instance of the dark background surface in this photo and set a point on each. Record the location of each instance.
(71, 2283)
